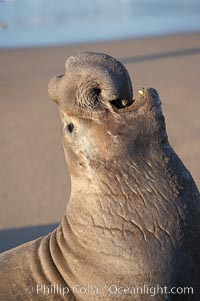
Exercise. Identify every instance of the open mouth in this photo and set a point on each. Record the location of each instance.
(145, 95)
(121, 105)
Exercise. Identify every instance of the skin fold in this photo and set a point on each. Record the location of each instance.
(133, 217)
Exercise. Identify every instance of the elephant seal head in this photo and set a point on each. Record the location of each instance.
(101, 119)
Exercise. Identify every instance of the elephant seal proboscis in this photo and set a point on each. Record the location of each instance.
(132, 223)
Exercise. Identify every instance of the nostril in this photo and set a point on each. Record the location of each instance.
(97, 91)
(70, 127)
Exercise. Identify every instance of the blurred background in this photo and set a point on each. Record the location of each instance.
(51, 22)
(159, 43)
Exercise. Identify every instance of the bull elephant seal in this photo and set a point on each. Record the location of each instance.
(131, 227)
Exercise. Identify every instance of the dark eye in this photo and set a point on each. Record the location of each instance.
(70, 127)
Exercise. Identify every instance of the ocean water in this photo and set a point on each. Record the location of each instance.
(49, 22)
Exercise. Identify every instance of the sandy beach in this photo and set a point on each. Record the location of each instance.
(34, 180)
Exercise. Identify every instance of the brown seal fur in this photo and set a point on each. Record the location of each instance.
(133, 218)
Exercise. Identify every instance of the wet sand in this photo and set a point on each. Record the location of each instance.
(34, 181)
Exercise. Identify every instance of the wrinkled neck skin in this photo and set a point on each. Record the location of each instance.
(124, 199)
